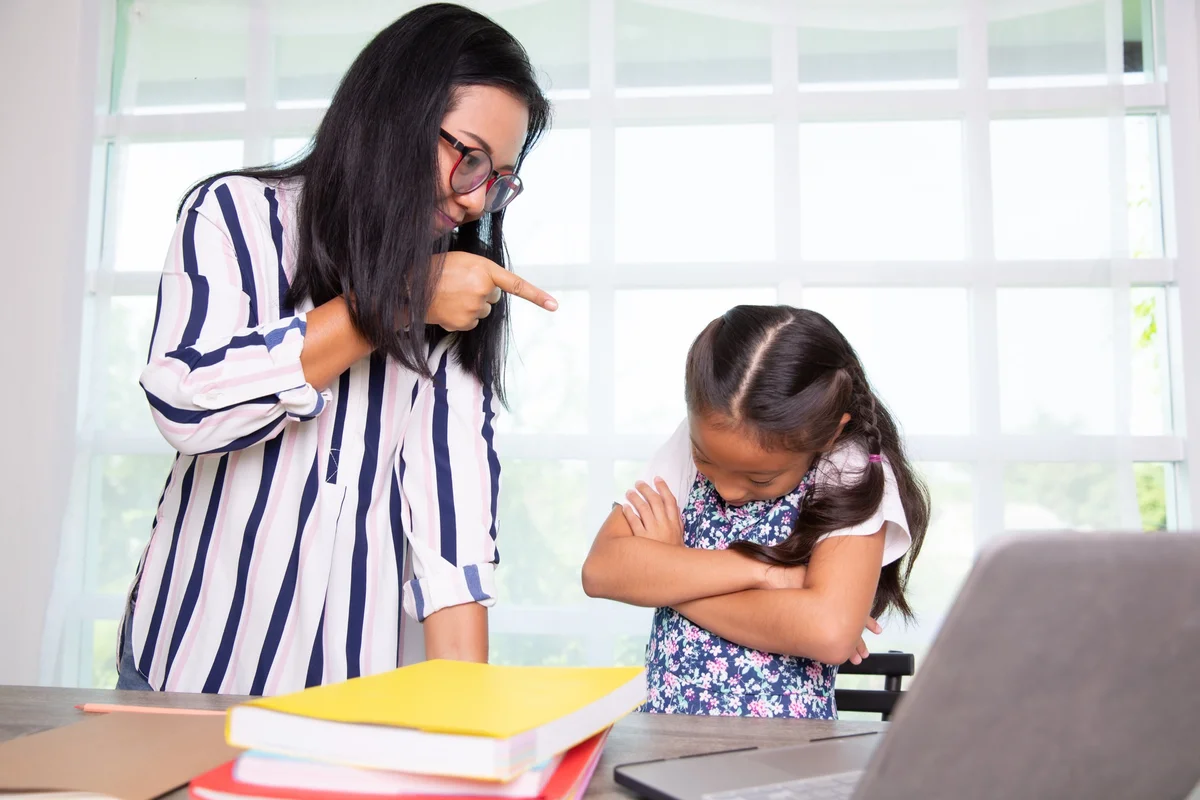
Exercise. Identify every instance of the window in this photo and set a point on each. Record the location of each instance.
(966, 196)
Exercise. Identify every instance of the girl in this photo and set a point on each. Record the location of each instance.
(335, 461)
(799, 504)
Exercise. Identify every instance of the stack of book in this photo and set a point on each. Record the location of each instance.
(438, 729)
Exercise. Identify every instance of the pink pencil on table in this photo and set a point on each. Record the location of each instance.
(105, 708)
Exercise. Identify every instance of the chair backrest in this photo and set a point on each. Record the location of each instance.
(893, 666)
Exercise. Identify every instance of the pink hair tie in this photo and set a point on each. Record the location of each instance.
(876, 458)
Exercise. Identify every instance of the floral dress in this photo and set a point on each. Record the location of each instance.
(692, 671)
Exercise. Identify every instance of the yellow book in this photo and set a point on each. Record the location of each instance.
(448, 718)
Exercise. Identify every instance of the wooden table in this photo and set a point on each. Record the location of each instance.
(639, 737)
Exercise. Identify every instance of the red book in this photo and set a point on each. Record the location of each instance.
(570, 780)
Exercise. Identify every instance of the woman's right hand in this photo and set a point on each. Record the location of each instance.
(468, 287)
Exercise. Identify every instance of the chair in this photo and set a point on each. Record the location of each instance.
(893, 665)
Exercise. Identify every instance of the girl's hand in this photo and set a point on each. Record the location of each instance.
(861, 650)
(777, 577)
(654, 514)
(468, 287)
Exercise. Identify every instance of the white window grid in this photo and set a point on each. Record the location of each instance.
(1173, 96)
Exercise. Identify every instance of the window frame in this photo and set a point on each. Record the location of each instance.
(602, 109)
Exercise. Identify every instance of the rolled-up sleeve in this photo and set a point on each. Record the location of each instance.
(449, 476)
(218, 377)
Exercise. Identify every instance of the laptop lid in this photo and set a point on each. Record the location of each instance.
(1067, 667)
(734, 774)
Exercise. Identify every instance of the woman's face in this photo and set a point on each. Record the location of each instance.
(492, 120)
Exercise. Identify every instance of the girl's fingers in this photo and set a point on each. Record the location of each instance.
(672, 509)
(635, 522)
(640, 505)
(669, 503)
(873, 626)
(653, 499)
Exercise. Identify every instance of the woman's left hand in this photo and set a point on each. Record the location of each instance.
(652, 513)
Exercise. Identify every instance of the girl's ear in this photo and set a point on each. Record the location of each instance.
(837, 434)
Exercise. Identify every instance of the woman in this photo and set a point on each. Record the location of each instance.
(326, 358)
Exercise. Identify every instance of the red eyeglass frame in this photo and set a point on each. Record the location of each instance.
(465, 150)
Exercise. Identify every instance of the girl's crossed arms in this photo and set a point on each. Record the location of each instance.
(799, 504)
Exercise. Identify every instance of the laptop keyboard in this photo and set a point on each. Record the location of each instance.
(826, 787)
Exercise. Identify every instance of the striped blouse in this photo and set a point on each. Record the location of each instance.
(295, 524)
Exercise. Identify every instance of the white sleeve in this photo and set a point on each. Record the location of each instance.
(845, 465)
(221, 377)
(449, 477)
(673, 463)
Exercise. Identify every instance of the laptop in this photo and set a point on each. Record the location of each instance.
(1069, 666)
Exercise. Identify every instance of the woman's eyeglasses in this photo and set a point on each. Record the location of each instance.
(474, 169)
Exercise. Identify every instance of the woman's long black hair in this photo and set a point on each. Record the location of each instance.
(371, 181)
(786, 376)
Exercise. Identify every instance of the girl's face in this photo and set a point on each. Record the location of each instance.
(483, 117)
(739, 469)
